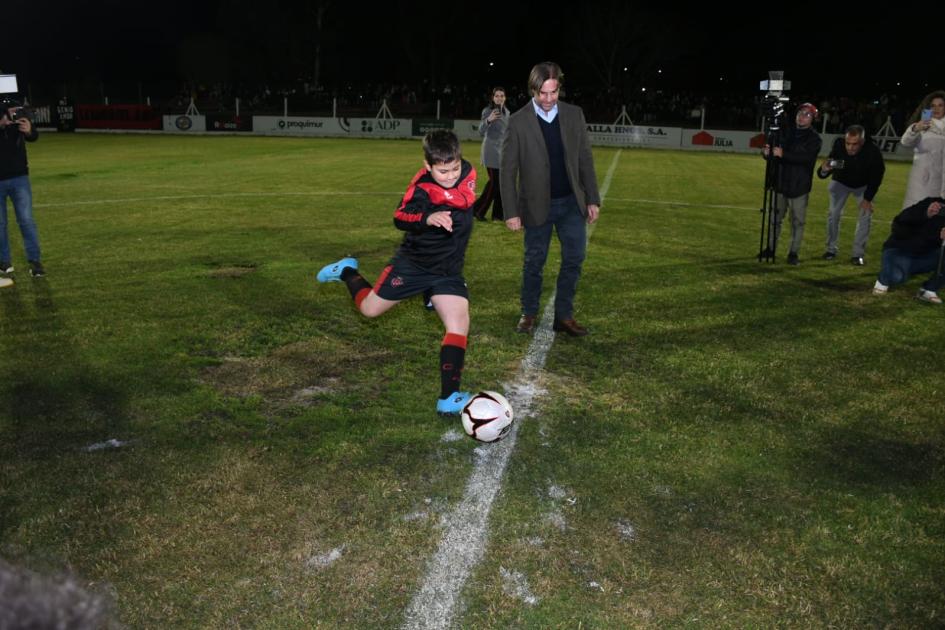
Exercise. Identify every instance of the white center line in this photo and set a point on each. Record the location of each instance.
(466, 526)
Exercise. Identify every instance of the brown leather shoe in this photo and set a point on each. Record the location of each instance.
(526, 324)
(569, 326)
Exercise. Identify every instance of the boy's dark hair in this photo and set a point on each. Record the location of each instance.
(441, 146)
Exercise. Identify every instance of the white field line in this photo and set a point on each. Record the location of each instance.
(466, 526)
(334, 193)
(326, 193)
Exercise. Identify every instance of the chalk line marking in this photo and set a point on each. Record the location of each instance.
(321, 193)
(339, 193)
(466, 526)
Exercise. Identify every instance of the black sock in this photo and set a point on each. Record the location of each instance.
(357, 285)
(452, 354)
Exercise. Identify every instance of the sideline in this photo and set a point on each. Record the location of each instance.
(465, 527)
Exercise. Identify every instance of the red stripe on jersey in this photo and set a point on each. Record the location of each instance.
(452, 339)
(410, 217)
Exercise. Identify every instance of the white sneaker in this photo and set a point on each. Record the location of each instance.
(879, 288)
(5, 282)
(924, 295)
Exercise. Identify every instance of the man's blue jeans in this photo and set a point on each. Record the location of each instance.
(19, 191)
(899, 265)
(566, 220)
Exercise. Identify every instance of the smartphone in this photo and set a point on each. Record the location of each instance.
(926, 114)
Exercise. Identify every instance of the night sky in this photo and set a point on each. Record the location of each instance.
(276, 42)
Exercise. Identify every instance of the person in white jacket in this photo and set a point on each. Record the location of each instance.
(926, 136)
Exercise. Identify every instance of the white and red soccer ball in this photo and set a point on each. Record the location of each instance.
(487, 417)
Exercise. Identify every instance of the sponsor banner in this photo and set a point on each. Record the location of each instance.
(422, 126)
(184, 123)
(355, 127)
(221, 122)
(720, 140)
(467, 129)
(297, 126)
(117, 117)
(635, 136)
(378, 127)
(41, 116)
(65, 116)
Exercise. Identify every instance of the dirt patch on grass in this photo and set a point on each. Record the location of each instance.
(298, 374)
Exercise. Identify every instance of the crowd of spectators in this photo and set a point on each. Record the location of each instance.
(718, 110)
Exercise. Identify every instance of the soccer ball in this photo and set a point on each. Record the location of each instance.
(487, 417)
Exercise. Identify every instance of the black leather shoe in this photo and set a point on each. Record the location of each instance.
(570, 327)
(858, 261)
(526, 324)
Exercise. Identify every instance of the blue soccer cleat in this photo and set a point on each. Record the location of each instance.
(453, 404)
(332, 272)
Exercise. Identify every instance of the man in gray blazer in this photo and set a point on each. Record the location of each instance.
(548, 182)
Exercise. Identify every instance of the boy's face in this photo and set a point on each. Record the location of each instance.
(446, 174)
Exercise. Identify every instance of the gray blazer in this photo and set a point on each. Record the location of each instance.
(492, 137)
(524, 177)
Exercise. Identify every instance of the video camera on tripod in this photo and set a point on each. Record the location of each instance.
(773, 107)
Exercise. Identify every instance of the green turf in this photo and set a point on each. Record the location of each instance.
(736, 444)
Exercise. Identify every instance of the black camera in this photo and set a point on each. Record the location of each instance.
(835, 164)
(16, 113)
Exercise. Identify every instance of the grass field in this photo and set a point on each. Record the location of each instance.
(735, 445)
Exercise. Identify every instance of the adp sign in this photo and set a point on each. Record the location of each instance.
(376, 127)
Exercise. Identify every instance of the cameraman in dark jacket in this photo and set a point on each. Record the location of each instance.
(16, 129)
(797, 154)
(915, 246)
(857, 168)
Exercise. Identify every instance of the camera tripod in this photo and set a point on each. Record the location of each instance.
(769, 220)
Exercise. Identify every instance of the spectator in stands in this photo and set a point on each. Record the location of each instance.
(16, 129)
(549, 184)
(797, 152)
(857, 168)
(493, 122)
(915, 246)
(926, 135)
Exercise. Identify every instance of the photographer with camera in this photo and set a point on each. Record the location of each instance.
(16, 129)
(857, 168)
(797, 154)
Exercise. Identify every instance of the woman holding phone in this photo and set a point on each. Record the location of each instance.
(494, 120)
(926, 135)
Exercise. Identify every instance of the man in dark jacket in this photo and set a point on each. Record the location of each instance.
(16, 130)
(797, 155)
(915, 246)
(857, 168)
(548, 183)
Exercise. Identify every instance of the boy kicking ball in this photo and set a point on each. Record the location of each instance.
(436, 214)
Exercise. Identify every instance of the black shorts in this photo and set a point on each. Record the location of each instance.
(402, 279)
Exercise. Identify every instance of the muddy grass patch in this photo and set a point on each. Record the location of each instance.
(297, 374)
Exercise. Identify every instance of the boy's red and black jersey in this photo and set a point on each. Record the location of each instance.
(433, 248)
